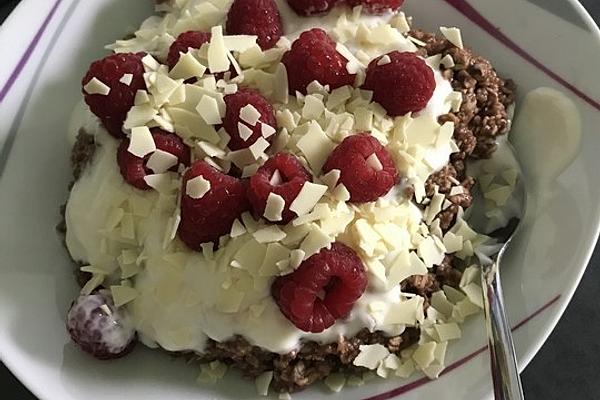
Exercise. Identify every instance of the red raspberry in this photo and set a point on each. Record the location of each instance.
(313, 57)
(323, 288)
(293, 176)
(104, 335)
(377, 6)
(206, 219)
(192, 40)
(255, 17)
(401, 86)
(364, 182)
(112, 109)
(234, 103)
(184, 42)
(134, 169)
(311, 7)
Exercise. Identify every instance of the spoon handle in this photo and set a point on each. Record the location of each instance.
(507, 383)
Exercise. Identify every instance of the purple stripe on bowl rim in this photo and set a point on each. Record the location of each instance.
(27, 54)
(457, 364)
(475, 16)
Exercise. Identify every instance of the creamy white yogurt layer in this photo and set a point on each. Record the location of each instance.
(92, 200)
(177, 305)
(183, 316)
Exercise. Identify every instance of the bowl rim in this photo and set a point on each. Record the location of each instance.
(561, 302)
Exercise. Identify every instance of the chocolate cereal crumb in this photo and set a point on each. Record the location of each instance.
(82, 153)
(297, 369)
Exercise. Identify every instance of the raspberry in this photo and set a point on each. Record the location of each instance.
(134, 169)
(313, 57)
(184, 42)
(192, 40)
(311, 7)
(206, 219)
(112, 109)
(234, 103)
(323, 288)
(104, 335)
(255, 17)
(401, 86)
(364, 182)
(377, 6)
(293, 176)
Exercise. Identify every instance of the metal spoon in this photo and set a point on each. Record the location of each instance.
(507, 383)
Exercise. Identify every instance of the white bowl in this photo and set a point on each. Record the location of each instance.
(51, 44)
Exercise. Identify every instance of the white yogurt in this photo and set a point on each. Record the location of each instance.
(185, 316)
(94, 195)
(187, 321)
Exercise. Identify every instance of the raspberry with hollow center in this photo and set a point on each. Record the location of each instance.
(377, 6)
(234, 104)
(112, 108)
(312, 7)
(323, 289)
(366, 168)
(283, 175)
(405, 84)
(184, 42)
(313, 57)
(208, 218)
(260, 18)
(99, 328)
(134, 169)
